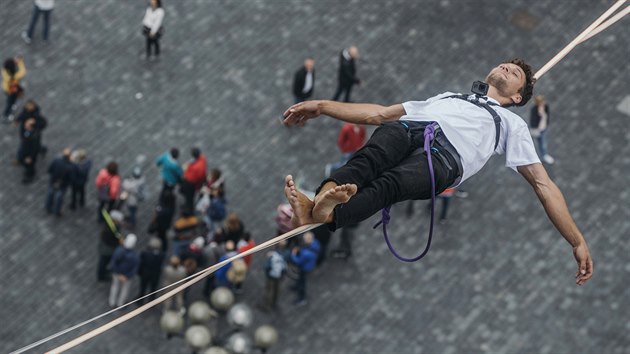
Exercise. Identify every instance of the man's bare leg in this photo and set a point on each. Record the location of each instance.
(327, 200)
(301, 205)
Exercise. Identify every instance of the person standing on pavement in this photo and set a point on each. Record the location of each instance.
(194, 177)
(304, 81)
(60, 172)
(347, 73)
(305, 258)
(539, 124)
(82, 166)
(124, 266)
(150, 268)
(108, 187)
(45, 8)
(13, 71)
(152, 27)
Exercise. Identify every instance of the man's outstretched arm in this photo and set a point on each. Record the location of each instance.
(359, 113)
(556, 208)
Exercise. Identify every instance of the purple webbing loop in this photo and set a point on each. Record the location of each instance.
(429, 135)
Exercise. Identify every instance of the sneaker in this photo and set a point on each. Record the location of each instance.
(548, 159)
(26, 38)
(301, 303)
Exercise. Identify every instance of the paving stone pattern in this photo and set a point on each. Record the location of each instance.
(499, 278)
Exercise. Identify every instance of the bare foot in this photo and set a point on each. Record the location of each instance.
(301, 205)
(326, 202)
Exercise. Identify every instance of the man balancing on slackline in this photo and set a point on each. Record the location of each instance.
(468, 130)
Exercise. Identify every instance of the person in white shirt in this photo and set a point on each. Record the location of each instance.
(44, 7)
(152, 26)
(391, 167)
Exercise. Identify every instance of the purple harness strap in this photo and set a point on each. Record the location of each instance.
(429, 135)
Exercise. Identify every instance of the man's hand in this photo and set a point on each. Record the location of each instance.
(585, 264)
(299, 113)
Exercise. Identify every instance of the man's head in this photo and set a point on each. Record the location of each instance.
(354, 52)
(30, 106)
(309, 64)
(66, 153)
(175, 153)
(308, 238)
(195, 152)
(513, 81)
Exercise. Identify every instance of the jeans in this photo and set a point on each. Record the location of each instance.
(133, 210)
(542, 142)
(300, 286)
(78, 194)
(34, 17)
(8, 108)
(155, 42)
(119, 291)
(390, 168)
(54, 199)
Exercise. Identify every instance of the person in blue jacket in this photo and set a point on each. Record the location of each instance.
(124, 266)
(170, 170)
(305, 258)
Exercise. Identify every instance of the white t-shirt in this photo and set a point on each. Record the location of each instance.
(153, 19)
(45, 5)
(471, 130)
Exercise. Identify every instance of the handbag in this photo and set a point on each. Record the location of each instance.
(15, 88)
(146, 31)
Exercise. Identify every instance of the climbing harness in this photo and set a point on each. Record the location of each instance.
(431, 132)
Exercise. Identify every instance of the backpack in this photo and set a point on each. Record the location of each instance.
(217, 210)
(276, 266)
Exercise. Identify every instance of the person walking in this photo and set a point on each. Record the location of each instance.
(347, 73)
(152, 27)
(13, 71)
(44, 8)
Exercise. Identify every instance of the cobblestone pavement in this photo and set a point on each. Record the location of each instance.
(499, 278)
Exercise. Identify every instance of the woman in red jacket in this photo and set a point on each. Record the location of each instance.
(108, 187)
(194, 177)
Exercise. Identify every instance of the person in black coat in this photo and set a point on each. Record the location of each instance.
(31, 111)
(29, 148)
(163, 217)
(304, 81)
(60, 171)
(347, 73)
(150, 268)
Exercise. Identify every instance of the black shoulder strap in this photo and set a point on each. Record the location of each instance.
(493, 113)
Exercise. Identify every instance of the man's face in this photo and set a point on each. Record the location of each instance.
(309, 64)
(507, 78)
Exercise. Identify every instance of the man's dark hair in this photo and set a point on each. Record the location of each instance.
(10, 66)
(528, 89)
(195, 152)
(175, 153)
(112, 168)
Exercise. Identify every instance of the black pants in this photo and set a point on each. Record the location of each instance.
(343, 88)
(155, 42)
(78, 194)
(390, 168)
(8, 108)
(150, 283)
(102, 272)
(187, 189)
